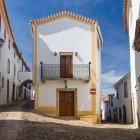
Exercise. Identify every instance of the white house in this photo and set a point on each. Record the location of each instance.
(104, 107)
(123, 100)
(67, 65)
(132, 27)
(120, 104)
(111, 108)
(11, 61)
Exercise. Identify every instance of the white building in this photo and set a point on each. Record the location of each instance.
(11, 61)
(67, 66)
(104, 107)
(132, 26)
(110, 108)
(120, 105)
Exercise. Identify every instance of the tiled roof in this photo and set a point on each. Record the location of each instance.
(105, 98)
(60, 14)
(125, 5)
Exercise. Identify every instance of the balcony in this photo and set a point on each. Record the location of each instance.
(65, 71)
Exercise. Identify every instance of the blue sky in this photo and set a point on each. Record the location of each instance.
(109, 14)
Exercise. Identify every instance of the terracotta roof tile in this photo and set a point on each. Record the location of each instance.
(67, 13)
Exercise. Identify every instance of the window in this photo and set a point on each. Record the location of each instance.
(120, 114)
(14, 54)
(8, 66)
(14, 70)
(98, 43)
(117, 92)
(5, 34)
(0, 77)
(22, 67)
(111, 100)
(0, 22)
(9, 44)
(2, 82)
(125, 90)
(17, 74)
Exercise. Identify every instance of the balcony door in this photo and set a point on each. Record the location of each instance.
(66, 69)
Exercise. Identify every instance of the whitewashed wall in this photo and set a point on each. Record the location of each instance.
(6, 54)
(134, 14)
(47, 96)
(64, 35)
(124, 100)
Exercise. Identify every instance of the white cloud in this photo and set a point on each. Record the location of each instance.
(108, 80)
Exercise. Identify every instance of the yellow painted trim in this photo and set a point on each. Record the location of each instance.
(93, 65)
(65, 53)
(90, 118)
(84, 113)
(49, 110)
(60, 17)
(35, 55)
(34, 74)
(5, 20)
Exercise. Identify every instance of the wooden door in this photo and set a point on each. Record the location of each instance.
(13, 93)
(66, 103)
(66, 70)
(7, 90)
(124, 115)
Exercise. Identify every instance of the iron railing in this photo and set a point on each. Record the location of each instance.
(58, 71)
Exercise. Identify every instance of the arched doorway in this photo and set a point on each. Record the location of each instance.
(124, 114)
(26, 90)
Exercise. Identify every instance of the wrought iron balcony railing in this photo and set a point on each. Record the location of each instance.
(62, 71)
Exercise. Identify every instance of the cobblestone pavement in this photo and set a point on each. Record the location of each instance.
(20, 122)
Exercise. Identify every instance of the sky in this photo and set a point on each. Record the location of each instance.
(109, 14)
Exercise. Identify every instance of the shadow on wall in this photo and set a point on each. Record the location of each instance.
(63, 25)
(48, 36)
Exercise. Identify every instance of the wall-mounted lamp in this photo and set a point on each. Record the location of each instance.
(55, 54)
(76, 54)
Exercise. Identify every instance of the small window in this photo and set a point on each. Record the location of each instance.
(5, 34)
(22, 67)
(2, 82)
(17, 74)
(14, 70)
(8, 66)
(111, 100)
(98, 43)
(0, 77)
(120, 114)
(9, 44)
(117, 92)
(125, 90)
(0, 22)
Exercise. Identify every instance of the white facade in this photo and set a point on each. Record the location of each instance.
(11, 61)
(67, 36)
(132, 14)
(121, 106)
(64, 35)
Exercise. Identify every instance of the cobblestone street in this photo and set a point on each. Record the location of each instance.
(18, 121)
